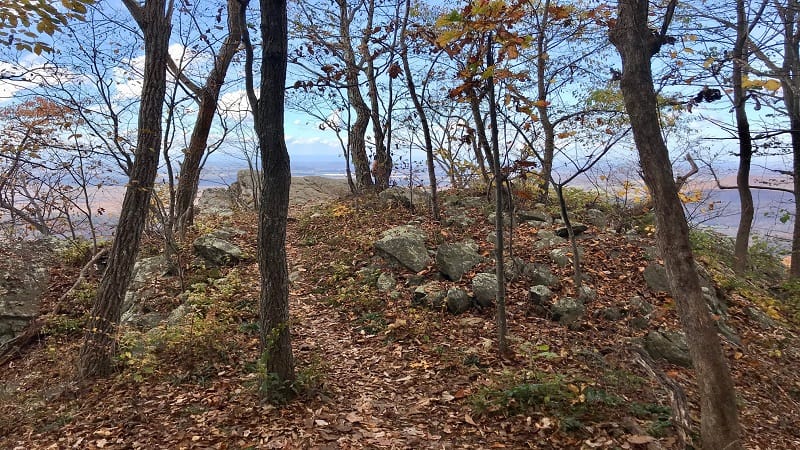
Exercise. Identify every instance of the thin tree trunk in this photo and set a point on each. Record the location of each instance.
(275, 338)
(99, 345)
(423, 119)
(541, 105)
(502, 326)
(382, 167)
(719, 421)
(480, 129)
(740, 254)
(208, 97)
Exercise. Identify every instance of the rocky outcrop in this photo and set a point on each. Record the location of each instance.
(404, 245)
(24, 276)
(143, 288)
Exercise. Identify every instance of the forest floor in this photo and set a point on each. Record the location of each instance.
(375, 371)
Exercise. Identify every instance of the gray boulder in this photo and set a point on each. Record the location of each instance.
(484, 287)
(561, 256)
(456, 259)
(668, 345)
(215, 201)
(596, 217)
(568, 311)
(405, 196)
(541, 274)
(216, 248)
(760, 317)
(541, 299)
(534, 216)
(458, 217)
(577, 229)
(655, 275)
(404, 245)
(430, 295)
(458, 301)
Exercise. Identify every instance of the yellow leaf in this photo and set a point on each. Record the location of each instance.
(772, 85)
(689, 50)
(541, 103)
(708, 62)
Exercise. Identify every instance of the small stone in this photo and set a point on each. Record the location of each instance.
(385, 282)
(457, 301)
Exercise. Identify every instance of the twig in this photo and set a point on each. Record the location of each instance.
(81, 276)
(677, 398)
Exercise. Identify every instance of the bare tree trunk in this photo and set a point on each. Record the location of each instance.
(502, 326)
(719, 421)
(208, 97)
(276, 348)
(423, 118)
(740, 254)
(382, 167)
(99, 345)
(480, 129)
(541, 105)
(791, 97)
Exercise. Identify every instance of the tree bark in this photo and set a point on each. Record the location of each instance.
(719, 421)
(99, 344)
(500, 269)
(791, 97)
(275, 338)
(208, 97)
(480, 130)
(747, 212)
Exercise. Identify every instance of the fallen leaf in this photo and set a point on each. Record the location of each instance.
(640, 439)
(353, 418)
(447, 397)
(468, 419)
(321, 423)
(100, 443)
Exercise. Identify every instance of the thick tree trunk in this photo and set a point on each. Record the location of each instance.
(357, 136)
(276, 178)
(791, 97)
(719, 422)
(208, 97)
(99, 345)
(740, 254)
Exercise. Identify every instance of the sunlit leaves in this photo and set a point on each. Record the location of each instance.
(23, 21)
(768, 84)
